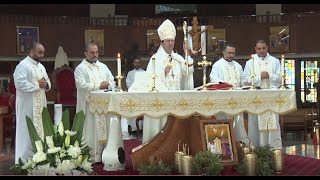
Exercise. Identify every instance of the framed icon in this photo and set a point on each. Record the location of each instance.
(97, 36)
(218, 137)
(26, 35)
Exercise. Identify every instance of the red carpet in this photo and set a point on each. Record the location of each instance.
(293, 165)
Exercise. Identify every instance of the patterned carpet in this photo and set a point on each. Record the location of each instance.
(293, 165)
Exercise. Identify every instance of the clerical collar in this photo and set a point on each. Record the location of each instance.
(90, 61)
(228, 60)
(33, 61)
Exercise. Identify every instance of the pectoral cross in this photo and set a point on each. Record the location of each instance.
(170, 62)
(204, 63)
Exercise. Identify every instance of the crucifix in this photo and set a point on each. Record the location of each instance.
(204, 63)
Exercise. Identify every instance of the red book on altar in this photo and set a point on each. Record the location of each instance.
(216, 86)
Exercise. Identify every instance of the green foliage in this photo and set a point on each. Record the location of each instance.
(61, 152)
(158, 168)
(48, 128)
(242, 167)
(206, 163)
(33, 133)
(78, 127)
(264, 161)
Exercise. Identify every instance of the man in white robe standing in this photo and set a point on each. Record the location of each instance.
(91, 75)
(171, 68)
(31, 82)
(230, 71)
(129, 124)
(264, 128)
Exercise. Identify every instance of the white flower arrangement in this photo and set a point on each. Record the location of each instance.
(61, 152)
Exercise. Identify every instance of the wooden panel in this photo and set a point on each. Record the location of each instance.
(164, 145)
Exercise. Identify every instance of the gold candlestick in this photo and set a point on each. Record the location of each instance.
(283, 74)
(204, 63)
(119, 89)
(252, 74)
(153, 88)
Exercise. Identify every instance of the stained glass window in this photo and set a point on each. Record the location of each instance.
(309, 76)
(290, 73)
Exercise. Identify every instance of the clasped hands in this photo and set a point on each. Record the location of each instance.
(104, 85)
(264, 75)
(43, 83)
(167, 69)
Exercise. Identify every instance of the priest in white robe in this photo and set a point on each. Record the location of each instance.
(230, 71)
(264, 128)
(91, 75)
(130, 122)
(31, 82)
(171, 68)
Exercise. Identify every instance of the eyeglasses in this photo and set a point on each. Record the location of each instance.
(39, 52)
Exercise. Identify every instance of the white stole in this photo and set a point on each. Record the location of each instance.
(39, 101)
(96, 76)
(231, 74)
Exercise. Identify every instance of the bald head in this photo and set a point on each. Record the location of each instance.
(36, 51)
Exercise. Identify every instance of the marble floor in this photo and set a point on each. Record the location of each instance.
(293, 145)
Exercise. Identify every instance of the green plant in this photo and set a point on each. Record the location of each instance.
(206, 163)
(241, 168)
(60, 152)
(264, 160)
(157, 168)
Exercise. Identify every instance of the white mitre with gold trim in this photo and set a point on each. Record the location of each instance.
(143, 83)
(167, 30)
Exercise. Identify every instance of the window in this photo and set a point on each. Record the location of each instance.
(309, 76)
(290, 73)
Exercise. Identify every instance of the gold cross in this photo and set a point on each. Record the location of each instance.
(204, 63)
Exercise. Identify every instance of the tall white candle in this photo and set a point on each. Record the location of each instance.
(153, 64)
(119, 64)
(252, 70)
(282, 64)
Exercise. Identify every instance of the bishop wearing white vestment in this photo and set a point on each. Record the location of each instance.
(229, 71)
(171, 68)
(91, 75)
(265, 128)
(31, 81)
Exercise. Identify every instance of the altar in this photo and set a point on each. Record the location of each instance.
(184, 108)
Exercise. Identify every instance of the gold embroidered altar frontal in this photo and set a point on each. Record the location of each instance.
(186, 103)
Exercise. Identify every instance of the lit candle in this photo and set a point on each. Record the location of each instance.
(282, 64)
(252, 70)
(153, 64)
(119, 64)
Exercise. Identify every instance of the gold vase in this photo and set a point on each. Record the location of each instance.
(177, 160)
(186, 164)
(251, 161)
(277, 161)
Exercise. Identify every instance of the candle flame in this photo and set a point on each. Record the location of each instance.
(118, 55)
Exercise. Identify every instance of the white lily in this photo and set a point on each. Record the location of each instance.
(39, 146)
(74, 152)
(27, 165)
(54, 150)
(65, 167)
(60, 128)
(67, 140)
(71, 133)
(86, 165)
(39, 157)
(49, 140)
